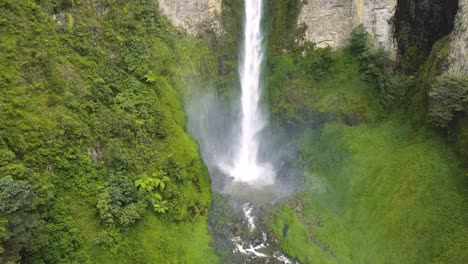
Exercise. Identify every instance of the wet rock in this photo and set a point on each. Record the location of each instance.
(257, 241)
(236, 229)
(226, 230)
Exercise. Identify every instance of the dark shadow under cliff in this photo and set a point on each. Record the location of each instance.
(418, 25)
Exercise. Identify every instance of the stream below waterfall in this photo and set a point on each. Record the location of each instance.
(258, 246)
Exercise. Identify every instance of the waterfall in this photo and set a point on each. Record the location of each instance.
(231, 147)
(246, 167)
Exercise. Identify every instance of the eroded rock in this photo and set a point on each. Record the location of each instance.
(193, 15)
(457, 62)
(330, 22)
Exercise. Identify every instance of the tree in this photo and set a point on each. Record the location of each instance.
(16, 204)
(361, 41)
(118, 204)
(447, 97)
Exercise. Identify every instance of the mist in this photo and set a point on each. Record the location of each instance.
(215, 125)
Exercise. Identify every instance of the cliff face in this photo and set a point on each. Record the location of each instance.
(192, 15)
(376, 16)
(330, 22)
(457, 62)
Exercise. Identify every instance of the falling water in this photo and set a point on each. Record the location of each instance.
(247, 168)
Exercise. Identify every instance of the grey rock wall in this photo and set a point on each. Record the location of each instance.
(377, 17)
(458, 57)
(330, 22)
(192, 15)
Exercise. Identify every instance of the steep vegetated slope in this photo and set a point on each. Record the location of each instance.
(95, 162)
(385, 152)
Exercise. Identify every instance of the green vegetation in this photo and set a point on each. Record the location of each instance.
(375, 67)
(379, 187)
(283, 30)
(314, 84)
(90, 105)
(447, 98)
(379, 193)
(225, 49)
(339, 93)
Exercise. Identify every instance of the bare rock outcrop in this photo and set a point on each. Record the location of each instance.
(192, 15)
(457, 59)
(330, 22)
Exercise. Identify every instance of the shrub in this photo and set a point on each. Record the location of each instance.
(395, 90)
(370, 57)
(316, 61)
(118, 204)
(176, 170)
(16, 220)
(360, 41)
(447, 97)
(375, 64)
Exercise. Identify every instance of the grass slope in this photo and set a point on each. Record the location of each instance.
(341, 94)
(380, 193)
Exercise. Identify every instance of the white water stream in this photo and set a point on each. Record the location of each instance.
(256, 250)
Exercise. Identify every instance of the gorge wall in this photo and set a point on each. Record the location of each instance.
(192, 15)
(330, 22)
(406, 28)
(457, 63)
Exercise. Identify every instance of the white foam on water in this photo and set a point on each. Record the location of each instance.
(247, 209)
(254, 251)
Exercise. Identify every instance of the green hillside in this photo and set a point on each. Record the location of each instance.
(385, 155)
(90, 103)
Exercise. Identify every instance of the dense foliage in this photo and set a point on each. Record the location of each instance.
(225, 49)
(448, 97)
(393, 90)
(89, 107)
